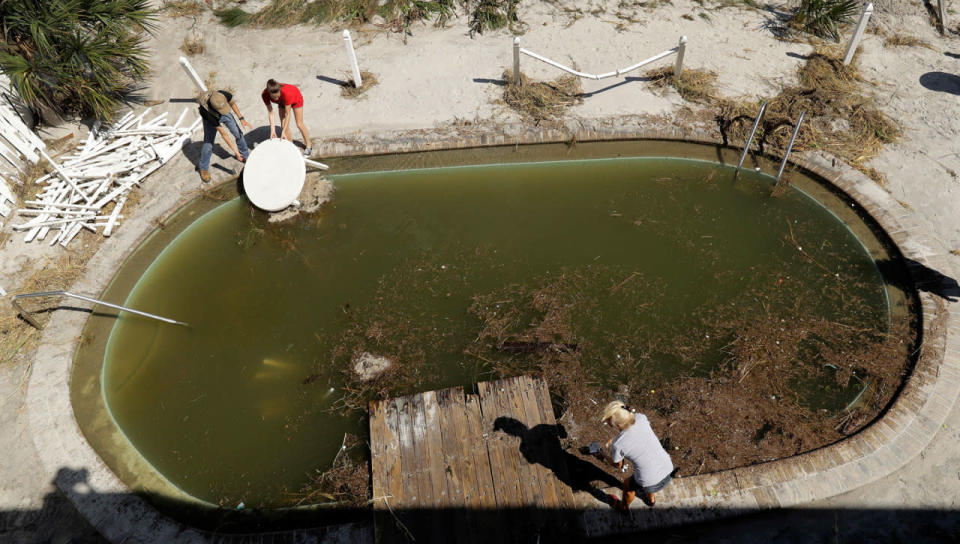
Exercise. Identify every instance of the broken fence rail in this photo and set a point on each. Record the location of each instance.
(680, 50)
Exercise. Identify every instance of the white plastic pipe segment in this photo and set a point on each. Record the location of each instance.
(193, 74)
(681, 49)
(943, 16)
(516, 61)
(858, 33)
(352, 55)
(315, 164)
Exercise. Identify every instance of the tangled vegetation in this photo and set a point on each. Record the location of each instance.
(538, 102)
(75, 56)
(350, 90)
(693, 85)
(840, 118)
(398, 15)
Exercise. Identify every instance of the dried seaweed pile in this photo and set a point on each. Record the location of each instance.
(763, 397)
(347, 482)
(542, 103)
(841, 118)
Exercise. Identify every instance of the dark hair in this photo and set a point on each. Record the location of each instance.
(273, 86)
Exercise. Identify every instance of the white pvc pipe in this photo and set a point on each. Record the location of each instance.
(681, 50)
(619, 72)
(316, 164)
(858, 33)
(557, 65)
(943, 16)
(516, 61)
(643, 63)
(352, 55)
(193, 74)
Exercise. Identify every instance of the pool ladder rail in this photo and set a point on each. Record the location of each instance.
(753, 131)
(796, 130)
(29, 318)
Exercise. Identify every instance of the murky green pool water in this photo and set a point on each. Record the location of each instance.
(238, 405)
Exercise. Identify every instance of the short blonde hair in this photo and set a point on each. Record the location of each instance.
(616, 413)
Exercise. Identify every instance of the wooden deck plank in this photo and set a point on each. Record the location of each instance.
(433, 442)
(505, 477)
(542, 434)
(408, 457)
(509, 444)
(423, 453)
(386, 470)
(510, 408)
(384, 459)
(529, 480)
(460, 484)
(564, 491)
(479, 453)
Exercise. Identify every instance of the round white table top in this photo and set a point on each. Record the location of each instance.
(274, 174)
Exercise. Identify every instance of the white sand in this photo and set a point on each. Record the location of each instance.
(440, 76)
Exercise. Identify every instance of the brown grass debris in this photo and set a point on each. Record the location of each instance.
(841, 118)
(697, 86)
(183, 8)
(542, 103)
(904, 40)
(18, 336)
(193, 44)
(350, 89)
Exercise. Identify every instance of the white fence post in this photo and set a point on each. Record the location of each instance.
(348, 43)
(516, 61)
(193, 74)
(943, 16)
(858, 33)
(681, 49)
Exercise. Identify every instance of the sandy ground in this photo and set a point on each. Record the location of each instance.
(441, 77)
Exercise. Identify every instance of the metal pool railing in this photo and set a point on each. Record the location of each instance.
(746, 147)
(680, 49)
(26, 315)
(796, 130)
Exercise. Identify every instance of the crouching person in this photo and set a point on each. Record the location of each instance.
(215, 109)
(652, 467)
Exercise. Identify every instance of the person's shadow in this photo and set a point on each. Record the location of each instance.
(541, 445)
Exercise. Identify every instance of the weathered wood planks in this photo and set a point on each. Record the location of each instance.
(476, 466)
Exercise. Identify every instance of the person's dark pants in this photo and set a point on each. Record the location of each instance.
(630, 488)
(210, 134)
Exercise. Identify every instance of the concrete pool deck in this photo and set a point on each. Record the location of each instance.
(913, 420)
(916, 502)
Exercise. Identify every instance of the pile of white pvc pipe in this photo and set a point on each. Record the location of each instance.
(102, 170)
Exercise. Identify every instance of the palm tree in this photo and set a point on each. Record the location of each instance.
(75, 56)
(824, 17)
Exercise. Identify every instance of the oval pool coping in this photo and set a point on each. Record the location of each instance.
(887, 444)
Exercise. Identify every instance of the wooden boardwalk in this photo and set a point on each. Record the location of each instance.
(467, 467)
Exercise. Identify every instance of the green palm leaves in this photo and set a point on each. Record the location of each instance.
(75, 56)
(823, 17)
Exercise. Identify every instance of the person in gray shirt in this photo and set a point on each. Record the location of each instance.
(652, 467)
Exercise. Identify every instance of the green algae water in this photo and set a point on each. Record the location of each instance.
(645, 255)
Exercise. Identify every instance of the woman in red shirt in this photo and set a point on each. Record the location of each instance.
(286, 97)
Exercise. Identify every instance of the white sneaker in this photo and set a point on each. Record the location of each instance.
(307, 152)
